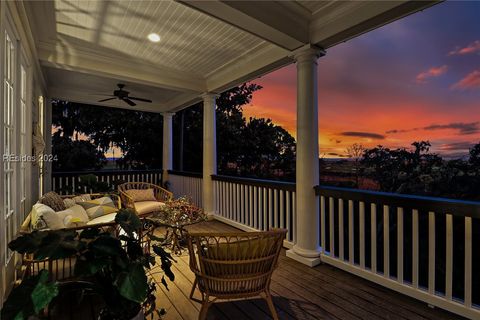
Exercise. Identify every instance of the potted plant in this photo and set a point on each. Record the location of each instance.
(114, 268)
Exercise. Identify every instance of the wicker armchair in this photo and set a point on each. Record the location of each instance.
(234, 265)
(143, 208)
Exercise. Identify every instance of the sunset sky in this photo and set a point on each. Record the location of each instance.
(414, 79)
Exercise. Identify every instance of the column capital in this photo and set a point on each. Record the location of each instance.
(209, 95)
(167, 114)
(308, 52)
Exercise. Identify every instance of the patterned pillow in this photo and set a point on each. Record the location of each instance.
(53, 200)
(37, 221)
(141, 195)
(69, 202)
(82, 198)
(98, 207)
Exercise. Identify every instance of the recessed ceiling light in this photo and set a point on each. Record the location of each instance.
(153, 37)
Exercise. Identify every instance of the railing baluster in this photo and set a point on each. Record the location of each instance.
(449, 257)
(331, 227)
(250, 206)
(361, 214)
(415, 248)
(340, 230)
(322, 223)
(275, 208)
(282, 209)
(294, 213)
(386, 241)
(431, 252)
(468, 262)
(400, 244)
(373, 236)
(265, 225)
(270, 208)
(288, 216)
(351, 238)
(255, 207)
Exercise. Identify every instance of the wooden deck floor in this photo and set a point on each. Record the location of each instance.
(300, 292)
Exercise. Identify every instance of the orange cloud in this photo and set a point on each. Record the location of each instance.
(431, 73)
(471, 48)
(471, 81)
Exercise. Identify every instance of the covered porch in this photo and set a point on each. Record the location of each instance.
(78, 49)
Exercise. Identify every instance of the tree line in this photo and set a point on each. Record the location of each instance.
(253, 147)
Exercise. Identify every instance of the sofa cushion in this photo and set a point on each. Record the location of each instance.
(37, 221)
(98, 207)
(141, 194)
(69, 202)
(74, 216)
(144, 207)
(103, 219)
(53, 200)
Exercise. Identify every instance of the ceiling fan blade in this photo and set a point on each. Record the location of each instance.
(130, 102)
(140, 99)
(103, 100)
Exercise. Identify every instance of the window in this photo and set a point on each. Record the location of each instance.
(9, 140)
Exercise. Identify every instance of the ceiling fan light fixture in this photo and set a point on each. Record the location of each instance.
(153, 37)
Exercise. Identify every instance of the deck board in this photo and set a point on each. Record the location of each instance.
(299, 292)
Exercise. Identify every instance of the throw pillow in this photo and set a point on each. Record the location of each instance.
(141, 195)
(82, 198)
(98, 207)
(53, 200)
(37, 221)
(55, 220)
(69, 202)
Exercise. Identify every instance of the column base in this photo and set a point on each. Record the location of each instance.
(311, 262)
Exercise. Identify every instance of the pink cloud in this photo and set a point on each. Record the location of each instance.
(471, 81)
(471, 48)
(431, 73)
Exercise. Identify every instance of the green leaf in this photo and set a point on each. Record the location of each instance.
(58, 244)
(106, 246)
(30, 297)
(43, 293)
(133, 284)
(90, 233)
(129, 221)
(28, 243)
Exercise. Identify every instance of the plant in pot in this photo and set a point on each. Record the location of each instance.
(113, 268)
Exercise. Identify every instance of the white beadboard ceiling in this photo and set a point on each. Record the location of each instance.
(190, 41)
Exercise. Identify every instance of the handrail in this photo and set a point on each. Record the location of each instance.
(186, 174)
(281, 185)
(439, 205)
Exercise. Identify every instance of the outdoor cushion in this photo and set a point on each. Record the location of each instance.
(37, 221)
(53, 200)
(141, 194)
(82, 198)
(98, 207)
(144, 207)
(69, 202)
(103, 219)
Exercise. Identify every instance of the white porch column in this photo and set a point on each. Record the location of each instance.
(209, 151)
(306, 249)
(47, 134)
(167, 159)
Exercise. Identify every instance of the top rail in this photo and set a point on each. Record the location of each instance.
(439, 205)
(281, 185)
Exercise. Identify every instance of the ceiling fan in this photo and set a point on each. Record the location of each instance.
(123, 95)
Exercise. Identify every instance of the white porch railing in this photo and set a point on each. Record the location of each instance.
(186, 184)
(257, 204)
(419, 246)
(69, 182)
